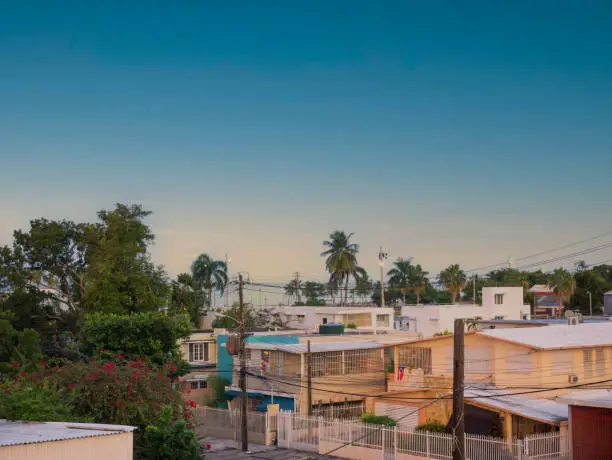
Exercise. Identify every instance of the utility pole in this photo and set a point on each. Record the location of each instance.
(474, 288)
(381, 262)
(590, 304)
(458, 420)
(243, 383)
(309, 378)
(227, 262)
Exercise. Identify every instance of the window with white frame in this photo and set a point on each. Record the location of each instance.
(198, 384)
(198, 352)
(499, 299)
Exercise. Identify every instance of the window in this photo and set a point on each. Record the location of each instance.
(198, 352)
(416, 358)
(198, 384)
(499, 299)
(301, 319)
(327, 363)
(324, 320)
(362, 361)
(382, 320)
(587, 363)
(600, 363)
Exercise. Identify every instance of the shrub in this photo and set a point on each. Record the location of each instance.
(169, 439)
(443, 333)
(351, 326)
(40, 401)
(431, 426)
(19, 350)
(378, 420)
(152, 336)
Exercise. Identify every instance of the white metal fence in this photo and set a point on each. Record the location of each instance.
(353, 439)
(546, 445)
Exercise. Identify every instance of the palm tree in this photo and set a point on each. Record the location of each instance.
(418, 281)
(399, 276)
(364, 286)
(453, 279)
(210, 274)
(292, 289)
(341, 259)
(564, 285)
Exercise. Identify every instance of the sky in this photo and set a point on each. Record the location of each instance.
(451, 132)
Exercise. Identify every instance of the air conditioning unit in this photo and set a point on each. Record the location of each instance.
(572, 378)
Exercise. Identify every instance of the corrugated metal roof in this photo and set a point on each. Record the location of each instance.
(545, 410)
(562, 336)
(16, 433)
(315, 347)
(589, 398)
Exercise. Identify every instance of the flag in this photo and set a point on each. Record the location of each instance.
(400, 373)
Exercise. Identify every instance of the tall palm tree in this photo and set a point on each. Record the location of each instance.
(418, 281)
(453, 279)
(564, 285)
(292, 289)
(399, 276)
(364, 286)
(341, 258)
(210, 274)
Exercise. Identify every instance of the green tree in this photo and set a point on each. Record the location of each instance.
(254, 318)
(590, 288)
(210, 274)
(341, 259)
(292, 290)
(399, 276)
(453, 279)
(563, 284)
(19, 350)
(313, 289)
(187, 297)
(418, 281)
(364, 286)
(153, 336)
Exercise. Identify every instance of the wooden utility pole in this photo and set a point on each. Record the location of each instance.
(309, 378)
(458, 419)
(244, 437)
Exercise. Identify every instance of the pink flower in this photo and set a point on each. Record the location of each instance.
(192, 403)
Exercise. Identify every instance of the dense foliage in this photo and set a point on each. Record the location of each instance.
(154, 336)
(170, 439)
(378, 420)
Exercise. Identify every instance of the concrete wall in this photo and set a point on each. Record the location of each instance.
(310, 318)
(362, 453)
(430, 319)
(113, 446)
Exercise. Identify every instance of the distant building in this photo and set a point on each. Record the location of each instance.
(200, 351)
(365, 319)
(590, 423)
(497, 303)
(65, 441)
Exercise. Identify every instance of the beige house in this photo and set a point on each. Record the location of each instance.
(64, 441)
(342, 371)
(539, 363)
(200, 351)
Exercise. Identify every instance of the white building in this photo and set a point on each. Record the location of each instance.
(497, 303)
(364, 319)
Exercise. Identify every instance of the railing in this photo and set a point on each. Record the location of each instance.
(353, 439)
(340, 411)
(546, 445)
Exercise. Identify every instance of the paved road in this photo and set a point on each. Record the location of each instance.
(266, 454)
(223, 449)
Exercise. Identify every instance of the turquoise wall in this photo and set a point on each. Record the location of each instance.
(224, 359)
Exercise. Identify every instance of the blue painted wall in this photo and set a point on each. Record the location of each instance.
(224, 359)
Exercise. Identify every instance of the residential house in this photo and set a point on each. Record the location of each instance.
(365, 319)
(200, 351)
(342, 371)
(590, 420)
(65, 441)
(519, 360)
(509, 323)
(497, 303)
(545, 301)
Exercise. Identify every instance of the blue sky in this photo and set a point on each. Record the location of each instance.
(451, 132)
